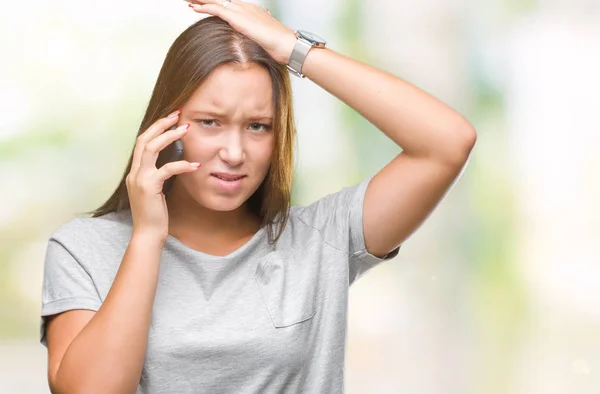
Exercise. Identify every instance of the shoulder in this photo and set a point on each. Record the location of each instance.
(326, 220)
(303, 234)
(339, 202)
(80, 233)
(112, 224)
(334, 209)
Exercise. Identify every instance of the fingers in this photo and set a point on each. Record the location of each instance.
(156, 129)
(160, 126)
(212, 9)
(162, 141)
(153, 183)
(217, 2)
(220, 9)
(175, 168)
(153, 148)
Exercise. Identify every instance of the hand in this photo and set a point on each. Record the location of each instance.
(255, 23)
(145, 182)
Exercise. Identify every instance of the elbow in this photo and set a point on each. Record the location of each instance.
(53, 383)
(464, 138)
(57, 387)
(468, 137)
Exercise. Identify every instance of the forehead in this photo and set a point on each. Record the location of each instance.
(237, 90)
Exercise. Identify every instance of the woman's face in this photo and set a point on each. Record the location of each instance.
(230, 134)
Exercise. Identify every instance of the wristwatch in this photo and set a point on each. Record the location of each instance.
(304, 43)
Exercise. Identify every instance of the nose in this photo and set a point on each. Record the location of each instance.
(232, 149)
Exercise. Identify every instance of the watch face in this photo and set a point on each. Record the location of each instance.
(311, 37)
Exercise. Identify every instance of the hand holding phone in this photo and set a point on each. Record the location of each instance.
(157, 158)
(173, 152)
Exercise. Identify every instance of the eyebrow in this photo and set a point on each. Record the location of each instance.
(218, 115)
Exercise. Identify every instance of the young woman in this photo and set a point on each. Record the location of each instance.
(220, 286)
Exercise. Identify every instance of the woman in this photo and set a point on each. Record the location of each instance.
(222, 287)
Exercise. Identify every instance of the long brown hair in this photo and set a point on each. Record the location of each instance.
(199, 50)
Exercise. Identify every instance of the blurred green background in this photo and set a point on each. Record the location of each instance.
(497, 293)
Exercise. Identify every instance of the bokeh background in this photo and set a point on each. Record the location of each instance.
(497, 293)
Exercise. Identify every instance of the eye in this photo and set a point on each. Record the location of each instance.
(260, 127)
(207, 122)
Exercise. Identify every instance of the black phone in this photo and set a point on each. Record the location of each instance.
(173, 152)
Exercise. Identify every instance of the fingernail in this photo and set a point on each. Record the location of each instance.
(183, 127)
(195, 165)
(191, 5)
(174, 114)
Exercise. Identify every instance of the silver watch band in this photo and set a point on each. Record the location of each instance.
(298, 56)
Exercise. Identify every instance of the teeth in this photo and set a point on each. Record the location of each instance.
(228, 179)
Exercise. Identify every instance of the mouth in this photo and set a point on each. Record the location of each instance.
(227, 177)
(228, 183)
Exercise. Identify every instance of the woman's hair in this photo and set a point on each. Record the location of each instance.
(197, 52)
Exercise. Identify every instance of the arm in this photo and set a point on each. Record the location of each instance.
(436, 143)
(436, 140)
(104, 351)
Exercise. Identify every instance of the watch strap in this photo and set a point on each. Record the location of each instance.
(298, 56)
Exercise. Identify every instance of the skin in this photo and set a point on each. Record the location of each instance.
(436, 142)
(228, 133)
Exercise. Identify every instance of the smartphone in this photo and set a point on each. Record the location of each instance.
(173, 152)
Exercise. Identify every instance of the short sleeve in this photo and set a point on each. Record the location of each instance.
(67, 283)
(339, 218)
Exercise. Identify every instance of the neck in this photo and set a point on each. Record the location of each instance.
(191, 221)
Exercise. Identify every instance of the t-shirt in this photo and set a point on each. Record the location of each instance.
(263, 319)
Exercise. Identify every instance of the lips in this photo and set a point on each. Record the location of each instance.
(227, 176)
(226, 182)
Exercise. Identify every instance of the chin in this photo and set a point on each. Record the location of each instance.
(215, 196)
(216, 199)
(220, 203)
